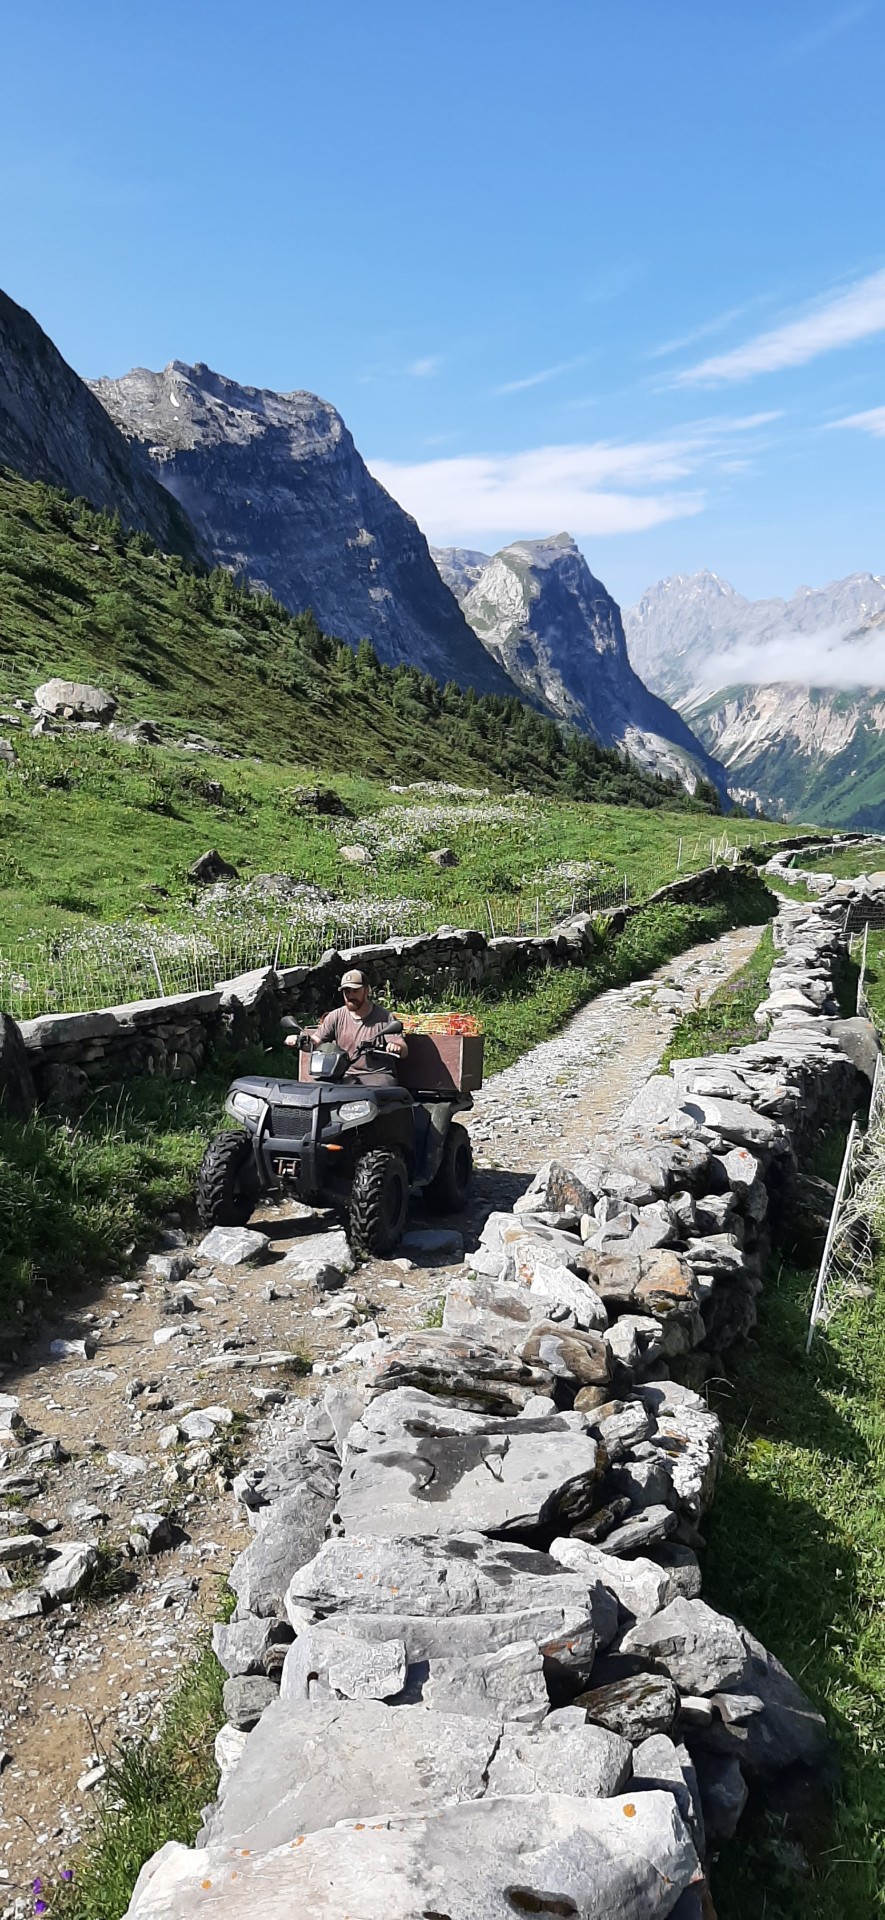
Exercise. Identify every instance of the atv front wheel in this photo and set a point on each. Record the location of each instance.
(450, 1186)
(227, 1187)
(379, 1200)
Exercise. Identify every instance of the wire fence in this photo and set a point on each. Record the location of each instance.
(108, 965)
(860, 1193)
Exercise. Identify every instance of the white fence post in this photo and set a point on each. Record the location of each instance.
(817, 1302)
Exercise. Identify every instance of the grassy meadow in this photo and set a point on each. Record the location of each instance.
(796, 1537)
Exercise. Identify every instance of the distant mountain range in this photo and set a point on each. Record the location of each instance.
(790, 694)
(558, 634)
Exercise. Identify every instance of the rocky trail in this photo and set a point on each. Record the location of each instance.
(122, 1429)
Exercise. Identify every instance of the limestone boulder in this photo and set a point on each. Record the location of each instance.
(456, 1367)
(445, 1598)
(324, 1664)
(417, 1467)
(700, 1649)
(689, 1437)
(476, 1860)
(494, 1312)
(74, 700)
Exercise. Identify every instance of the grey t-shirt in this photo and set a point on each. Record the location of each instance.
(350, 1030)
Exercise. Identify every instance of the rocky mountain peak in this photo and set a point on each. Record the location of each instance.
(557, 632)
(460, 567)
(278, 491)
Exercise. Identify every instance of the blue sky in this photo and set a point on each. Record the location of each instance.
(618, 268)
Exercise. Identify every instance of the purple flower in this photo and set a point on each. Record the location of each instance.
(40, 1906)
(67, 1873)
(37, 1886)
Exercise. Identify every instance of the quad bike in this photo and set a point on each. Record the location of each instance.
(355, 1144)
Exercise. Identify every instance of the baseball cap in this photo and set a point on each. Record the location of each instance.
(354, 978)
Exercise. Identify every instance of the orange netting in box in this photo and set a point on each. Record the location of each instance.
(437, 1023)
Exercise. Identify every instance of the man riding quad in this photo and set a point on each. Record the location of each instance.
(360, 1023)
(344, 1134)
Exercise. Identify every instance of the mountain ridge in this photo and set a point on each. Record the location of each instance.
(279, 493)
(557, 632)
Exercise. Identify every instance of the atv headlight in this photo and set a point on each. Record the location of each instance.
(246, 1105)
(357, 1112)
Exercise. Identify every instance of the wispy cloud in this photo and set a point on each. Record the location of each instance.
(426, 368)
(836, 321)
(540, 379)
(829, 658)
(593, 488)
(873, 421)
(832, 28)
(717, 325)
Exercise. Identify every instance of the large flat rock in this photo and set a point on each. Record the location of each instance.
(417, 1467)
(306, 1767)
(446, 1598)
(625, 1858)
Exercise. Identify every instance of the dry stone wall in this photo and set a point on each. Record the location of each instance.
(70, 1052)
(471, 1669)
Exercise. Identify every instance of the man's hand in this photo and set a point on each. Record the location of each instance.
(396, 1044)
(292, 1040)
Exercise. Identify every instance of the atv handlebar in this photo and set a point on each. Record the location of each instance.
(307, 1043)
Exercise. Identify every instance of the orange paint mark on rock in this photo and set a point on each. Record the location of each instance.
(629, 1810)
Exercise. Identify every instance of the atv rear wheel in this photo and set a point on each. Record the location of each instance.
(379, 1200)
(227, 1184)
(450, 1186)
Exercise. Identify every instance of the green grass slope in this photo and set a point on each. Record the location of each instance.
(82, 600)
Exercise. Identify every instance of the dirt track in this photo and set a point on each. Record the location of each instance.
(79, 1678)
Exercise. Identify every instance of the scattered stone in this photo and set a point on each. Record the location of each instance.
(74, 700)
(320, 1259)
(72, 1349)
(232, 1246)
(92, 1778)
(130, 1465)
(203, 1424)
(149, 1533)
(209, 867)
(69, 1572)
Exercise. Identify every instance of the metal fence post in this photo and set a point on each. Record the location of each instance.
(817, 1302)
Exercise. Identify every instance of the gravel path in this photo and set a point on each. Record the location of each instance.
(75, 1681)
(568, 1093)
